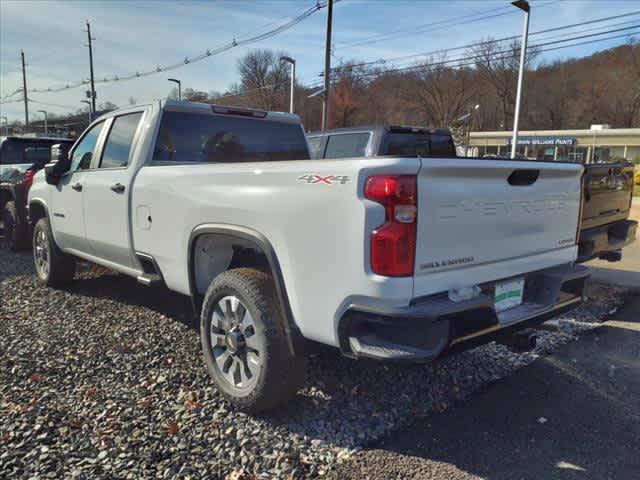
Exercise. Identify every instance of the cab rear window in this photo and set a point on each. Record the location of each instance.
(200, 138)
(418, 144)
(25, 150)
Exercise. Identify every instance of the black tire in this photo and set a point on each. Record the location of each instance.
(279, 374)
(15, 231)
(54, 268)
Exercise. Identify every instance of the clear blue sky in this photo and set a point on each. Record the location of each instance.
(139, 35)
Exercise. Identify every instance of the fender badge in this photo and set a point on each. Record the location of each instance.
(312, 179)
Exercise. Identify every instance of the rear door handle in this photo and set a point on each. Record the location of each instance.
(118, 188)
(77, 187)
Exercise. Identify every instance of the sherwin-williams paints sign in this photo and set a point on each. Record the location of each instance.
(543, 141)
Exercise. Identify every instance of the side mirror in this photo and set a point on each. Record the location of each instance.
(60, 163)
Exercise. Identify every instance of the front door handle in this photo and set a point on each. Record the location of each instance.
(77, 187)
(118, 188)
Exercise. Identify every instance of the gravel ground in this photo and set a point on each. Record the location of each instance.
(105, 379)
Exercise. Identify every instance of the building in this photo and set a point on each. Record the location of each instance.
(598, 144)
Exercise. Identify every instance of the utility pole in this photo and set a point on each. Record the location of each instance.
(24, 92)
(524, 6)
(93, 88)
(327, 67)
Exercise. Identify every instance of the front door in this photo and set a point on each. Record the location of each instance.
(107, 193)
(67, 206)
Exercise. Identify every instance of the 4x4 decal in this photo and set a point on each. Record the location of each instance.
(324, 179)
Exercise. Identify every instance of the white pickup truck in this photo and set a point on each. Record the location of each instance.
(391, 258)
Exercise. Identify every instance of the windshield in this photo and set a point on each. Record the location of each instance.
(194, 137)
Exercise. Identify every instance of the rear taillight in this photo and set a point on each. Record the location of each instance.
(28, 178)
(393, 244)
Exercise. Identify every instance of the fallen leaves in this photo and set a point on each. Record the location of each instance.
(172, 429)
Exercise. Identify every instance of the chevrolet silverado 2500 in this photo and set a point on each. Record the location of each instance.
(388, 258)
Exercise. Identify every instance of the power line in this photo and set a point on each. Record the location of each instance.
(473, 60)
(382, 36)
(188, 60)
(491, 41)
(439, 25)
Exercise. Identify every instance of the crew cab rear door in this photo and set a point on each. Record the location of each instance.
(107, 192)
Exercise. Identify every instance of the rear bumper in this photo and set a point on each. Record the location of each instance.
(434, 325)
(607, 240)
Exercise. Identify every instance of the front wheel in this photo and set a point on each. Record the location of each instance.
(244, 343)
(54, 268)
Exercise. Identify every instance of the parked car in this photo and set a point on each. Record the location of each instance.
(379, 140)
(20, 158)
(393, 258)
(606, 228)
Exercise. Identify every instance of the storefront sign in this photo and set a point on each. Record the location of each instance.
(543, 141)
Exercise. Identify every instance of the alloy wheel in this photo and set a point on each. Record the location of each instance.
(234, 343)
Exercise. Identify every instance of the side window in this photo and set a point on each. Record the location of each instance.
(118, 145)
(315, 147)
(83, 152)
(347, 145)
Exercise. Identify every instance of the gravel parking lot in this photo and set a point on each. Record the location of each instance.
(105, 380)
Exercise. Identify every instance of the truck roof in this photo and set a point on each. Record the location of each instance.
(35, 139)
(213, 109)
(383, 128)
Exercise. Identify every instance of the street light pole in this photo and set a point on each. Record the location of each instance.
(6, 125)
(90, 109)
(292, 62)
(44, 112)
(175, 80)
(525, 7)
(469, 127)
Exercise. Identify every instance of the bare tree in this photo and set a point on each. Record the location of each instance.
(264, 79)
(497, 64)
(442, 93)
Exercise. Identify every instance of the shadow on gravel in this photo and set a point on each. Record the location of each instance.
(572, 415)
(127, 290)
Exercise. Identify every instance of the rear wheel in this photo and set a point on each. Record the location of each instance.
(54, 268)
(15, 232)
(244, 343)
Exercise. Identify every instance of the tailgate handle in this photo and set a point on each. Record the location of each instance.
(523, 177)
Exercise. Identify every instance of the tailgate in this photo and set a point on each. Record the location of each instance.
(607, 194)
(475, 215)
